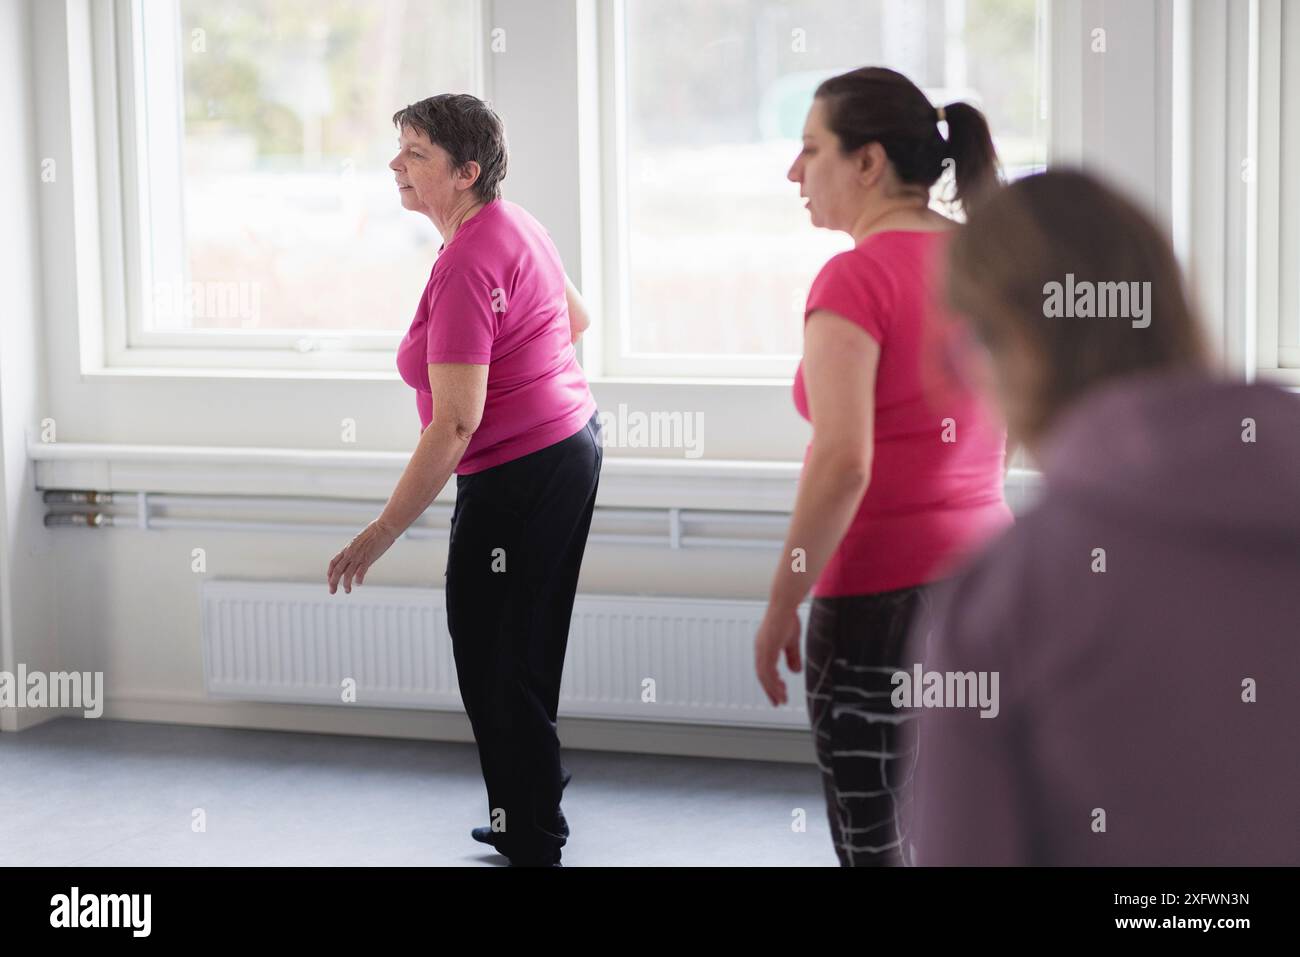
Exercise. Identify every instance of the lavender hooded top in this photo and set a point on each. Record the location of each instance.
(1149, 714)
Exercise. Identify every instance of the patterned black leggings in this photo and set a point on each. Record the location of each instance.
(854, 644)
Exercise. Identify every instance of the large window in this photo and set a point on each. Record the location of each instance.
(709, 250)
(260, 216)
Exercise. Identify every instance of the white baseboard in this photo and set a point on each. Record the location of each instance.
(636, 737)
(20, 719)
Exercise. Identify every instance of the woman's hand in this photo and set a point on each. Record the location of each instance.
(779, 632)
(362, 552)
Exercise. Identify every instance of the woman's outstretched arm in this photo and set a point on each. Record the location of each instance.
(839, 367)
(459, 393)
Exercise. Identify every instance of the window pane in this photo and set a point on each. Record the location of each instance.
(1288, 326)
(286, 197)
(720, 248)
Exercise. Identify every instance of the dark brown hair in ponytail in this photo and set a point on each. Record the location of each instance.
(881, 105)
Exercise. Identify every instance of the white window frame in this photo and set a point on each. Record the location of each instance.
(610, 358)
(1230, 189)
(1275, 115)
(133, 206)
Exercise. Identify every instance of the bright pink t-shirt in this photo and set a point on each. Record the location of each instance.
(496, 296)
(938, 448)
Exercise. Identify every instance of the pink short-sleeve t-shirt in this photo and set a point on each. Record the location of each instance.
(938, 449)
(496, 296)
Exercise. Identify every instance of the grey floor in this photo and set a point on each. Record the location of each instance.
(124, 793)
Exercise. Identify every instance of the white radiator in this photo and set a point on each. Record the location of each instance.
(295, 642)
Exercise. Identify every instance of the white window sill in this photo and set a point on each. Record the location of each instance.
(235, 374)
(108, 373)
(626, 482)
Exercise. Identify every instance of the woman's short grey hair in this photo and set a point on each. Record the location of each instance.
(468, 129)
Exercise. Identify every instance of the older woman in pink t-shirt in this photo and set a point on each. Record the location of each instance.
(504, 404)
(904, 472)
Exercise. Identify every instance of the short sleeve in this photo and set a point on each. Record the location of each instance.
(855, 287)
(463, 318)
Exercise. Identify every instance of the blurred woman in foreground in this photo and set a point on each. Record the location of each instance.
(1142, 618)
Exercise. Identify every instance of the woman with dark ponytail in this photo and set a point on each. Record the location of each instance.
(901, 479)
(970, 147)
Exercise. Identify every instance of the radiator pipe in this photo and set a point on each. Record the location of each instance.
(677, 537)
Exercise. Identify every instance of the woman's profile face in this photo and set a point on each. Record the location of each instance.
(827, 178)
(423, 170)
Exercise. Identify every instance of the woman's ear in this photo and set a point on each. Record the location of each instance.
(871, 163)
(467, 175)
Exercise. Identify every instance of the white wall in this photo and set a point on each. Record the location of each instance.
(28, 584)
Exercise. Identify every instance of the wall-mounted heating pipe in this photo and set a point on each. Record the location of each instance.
(675, 535)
